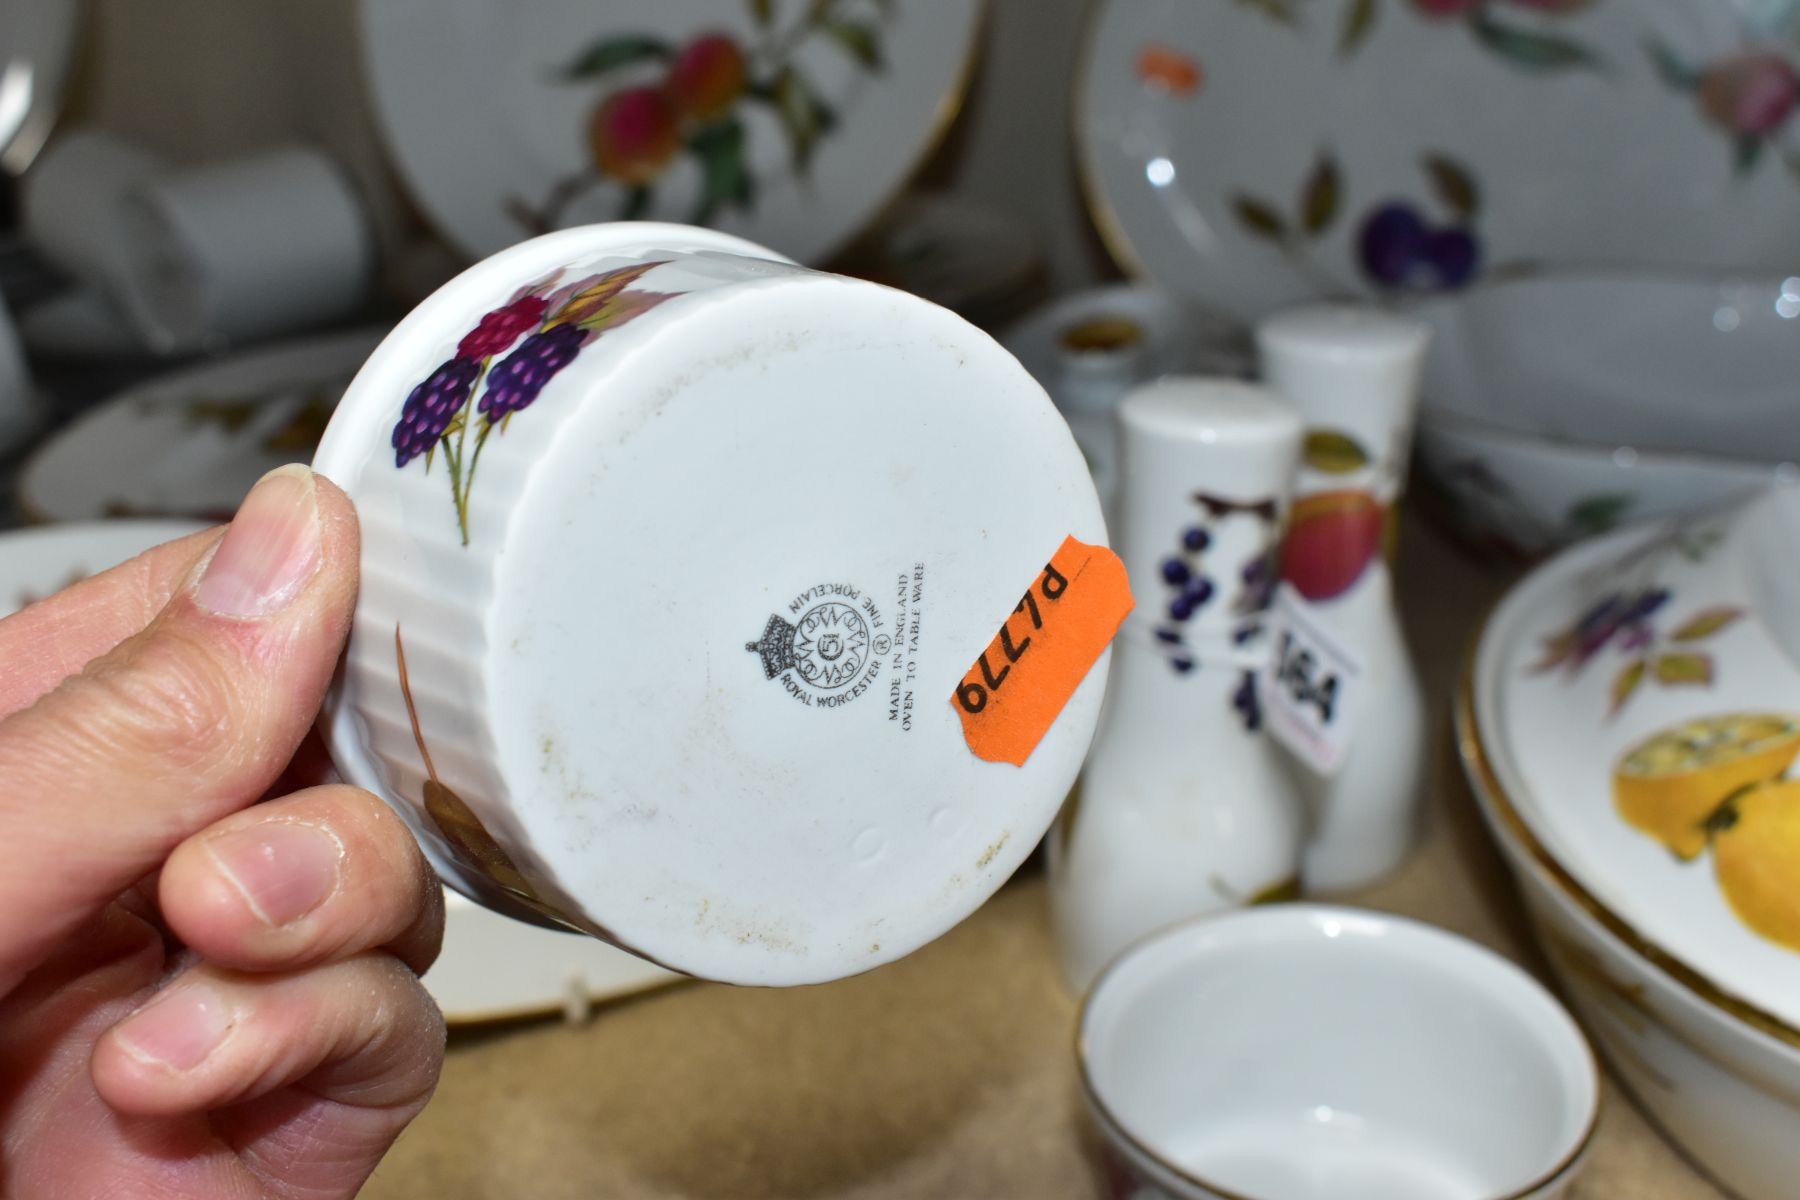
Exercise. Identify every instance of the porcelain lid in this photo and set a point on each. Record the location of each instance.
(1638, 698)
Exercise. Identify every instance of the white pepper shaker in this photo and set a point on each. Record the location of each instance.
(1352, 372)
(1184, 806)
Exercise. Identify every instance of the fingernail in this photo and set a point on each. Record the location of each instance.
(283, 871)
(178, 1029)
(271, 549)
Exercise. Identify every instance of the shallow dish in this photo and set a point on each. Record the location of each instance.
(1626, 727)
(1427, 144)
(1297, 1051)
(192, 442)
(676, 556)
(1560, 405)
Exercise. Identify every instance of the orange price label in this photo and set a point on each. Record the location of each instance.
(1013, 694)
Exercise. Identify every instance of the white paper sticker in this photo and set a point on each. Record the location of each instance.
(1313, 684)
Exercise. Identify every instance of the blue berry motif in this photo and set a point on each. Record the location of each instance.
(518, 379)
(1196, 540)
(1175, 572)
(431, 407)
(1247, 703)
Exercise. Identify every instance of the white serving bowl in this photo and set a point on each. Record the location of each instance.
(1297, 1051)
(1558, 405)
(1688, 987)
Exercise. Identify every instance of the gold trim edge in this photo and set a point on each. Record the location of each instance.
(1110, 1120)
(1491, 793)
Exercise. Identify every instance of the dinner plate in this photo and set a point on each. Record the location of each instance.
(789, 122)
(35, 563)
(1258, 153)
(191, 443)
(37, 53)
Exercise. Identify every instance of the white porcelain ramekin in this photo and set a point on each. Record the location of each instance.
(674, 554)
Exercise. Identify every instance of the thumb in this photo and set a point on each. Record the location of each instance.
(180, 725)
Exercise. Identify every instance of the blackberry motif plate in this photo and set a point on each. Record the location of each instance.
(792, 122)
(1255, 153)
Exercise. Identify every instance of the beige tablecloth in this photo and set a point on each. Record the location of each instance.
(947, 1076)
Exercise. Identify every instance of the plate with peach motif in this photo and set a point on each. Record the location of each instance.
(1255, 153)
(790, 122)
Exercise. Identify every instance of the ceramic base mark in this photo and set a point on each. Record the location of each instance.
(833, 649)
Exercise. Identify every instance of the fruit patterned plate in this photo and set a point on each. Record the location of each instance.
(1259, 152)
(193, 442)
(1638, 697)
(790, 122)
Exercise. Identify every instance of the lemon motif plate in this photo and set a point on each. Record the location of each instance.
(790, 122)
(1639, 699)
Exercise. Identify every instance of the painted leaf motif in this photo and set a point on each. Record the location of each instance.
(1625, 683)
(1319, 202)
(720, 149)
(1539, 53)
(1676, 73)
(1276, 10)
(1258, 217)
(859, 39)
(1359, 21)
(804, 116)
(1704, 624)
(1747, 152)
(1679, 669)
(611, 53)
(1334, 453)
(1454, 185)
(763, 11)
(1556, 652)
(1597, 514)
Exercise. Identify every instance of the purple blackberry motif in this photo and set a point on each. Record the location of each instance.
(508, 358)
(431, 407)
(1191, 589)
(518, 378)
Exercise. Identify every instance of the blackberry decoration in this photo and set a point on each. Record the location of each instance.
(518, 379)
(501, 329)
(431, 407)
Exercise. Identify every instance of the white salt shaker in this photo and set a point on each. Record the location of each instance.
(1185, 806)
(1352, 372)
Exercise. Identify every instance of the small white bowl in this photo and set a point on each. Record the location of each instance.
(1561, 404)
(1300, 1051)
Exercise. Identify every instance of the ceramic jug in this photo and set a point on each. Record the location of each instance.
(1184, 806)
